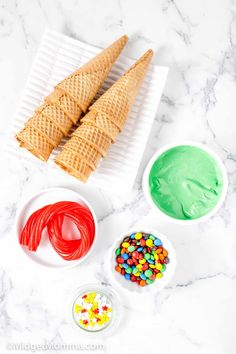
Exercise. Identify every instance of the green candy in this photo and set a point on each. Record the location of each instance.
(152, 237)
(149, 281)
(163, 267)
(135, 270)
(147, 256)
(128, 270)
(152, 257)
(118, 250)
(148, 273)
(131, 248)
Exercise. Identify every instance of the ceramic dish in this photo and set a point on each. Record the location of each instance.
(45, 254)
(159, 212)
(158, 284)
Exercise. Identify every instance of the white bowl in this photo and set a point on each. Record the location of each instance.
(45, 254)
(166, 217)
(158, 284)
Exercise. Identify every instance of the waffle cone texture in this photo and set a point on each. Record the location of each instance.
(104, 121)
(63, 107)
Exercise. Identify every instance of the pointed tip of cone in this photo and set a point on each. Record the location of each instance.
(141, 64)
(118, 44)
(146, 57)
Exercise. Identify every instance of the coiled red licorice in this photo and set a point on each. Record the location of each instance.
(52, 217)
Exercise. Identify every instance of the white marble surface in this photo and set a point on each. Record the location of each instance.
(197, 312)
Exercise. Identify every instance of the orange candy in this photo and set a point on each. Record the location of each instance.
(142, 283)
(118, 269)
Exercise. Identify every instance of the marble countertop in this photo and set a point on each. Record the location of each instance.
(196, 313)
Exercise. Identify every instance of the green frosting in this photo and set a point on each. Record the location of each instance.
(185, 182)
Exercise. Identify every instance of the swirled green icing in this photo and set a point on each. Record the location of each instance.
(185, 182)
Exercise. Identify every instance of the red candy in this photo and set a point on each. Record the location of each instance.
(120, 260)
(135, 254)
(142, 242)
(145, 266)
(51, 217)
(130, 262)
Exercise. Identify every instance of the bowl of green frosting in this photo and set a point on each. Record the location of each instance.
(185, 182)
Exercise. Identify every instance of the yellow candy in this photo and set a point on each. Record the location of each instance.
(125, 244)
(77, 308)
(142, 261)
(139, 266)
(137, 274)
(159, 266)
(159, 275)
(156, 257)
(138, 236)
(149, 243)
(109, 309)
(152, 266)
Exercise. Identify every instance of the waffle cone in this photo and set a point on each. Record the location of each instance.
(73, 164)
(102, 122)
(84, 84)
(65, 103)
(46, 127)
(83, 150)
(118, 100)
(35, 142)
(94, 137)
(57, 116)
(114, 106)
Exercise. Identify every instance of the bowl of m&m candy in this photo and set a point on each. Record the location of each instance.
(143, 261)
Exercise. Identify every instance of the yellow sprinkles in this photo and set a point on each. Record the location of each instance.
(92, 310)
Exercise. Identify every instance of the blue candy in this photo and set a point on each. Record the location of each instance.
(149, 261)
(157, 242)
(125, 256)
(132, 236)
(127, 276)
(140, 249)
(125, 265)
(142, 276)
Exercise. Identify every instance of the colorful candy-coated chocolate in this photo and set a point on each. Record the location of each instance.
(138, 236)
(130, 261)
(125, 256)
(141, 258)
(127, 276)
(118, 251)
(157, 242)
(148, 273)
(142, 283)
(131, 248)
(125, 244)
(142, 242)
(120, 260)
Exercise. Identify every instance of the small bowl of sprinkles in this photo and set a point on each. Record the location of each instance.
(94, 308)
(143, 261)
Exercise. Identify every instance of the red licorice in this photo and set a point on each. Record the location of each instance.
(51, 217)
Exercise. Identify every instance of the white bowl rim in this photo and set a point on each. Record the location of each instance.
(23, 205)
(152, 287)
(167, 147)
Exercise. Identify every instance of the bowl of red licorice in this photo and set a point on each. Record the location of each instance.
(56, 228)
(143, 261)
